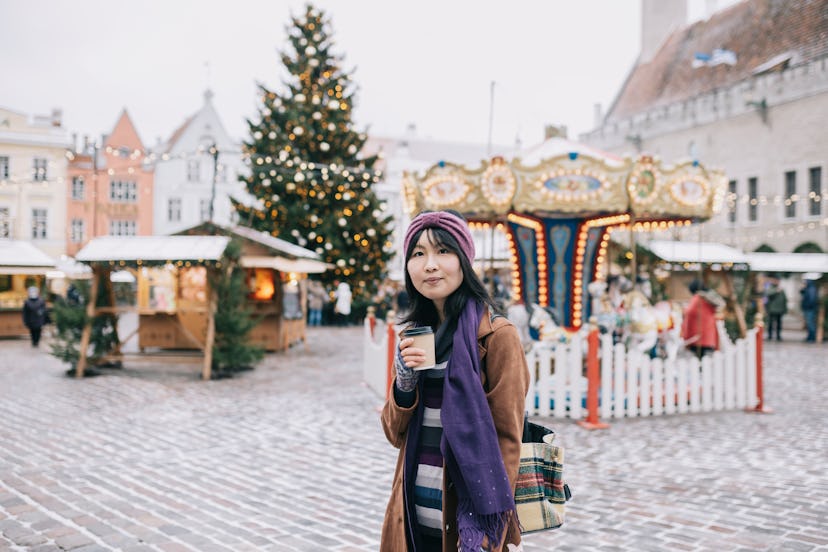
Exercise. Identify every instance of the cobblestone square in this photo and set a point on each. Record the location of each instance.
(291, 456)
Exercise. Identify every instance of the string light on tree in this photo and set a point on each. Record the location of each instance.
(304, 145)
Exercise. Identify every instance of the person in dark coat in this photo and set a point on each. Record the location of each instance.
(34, 314)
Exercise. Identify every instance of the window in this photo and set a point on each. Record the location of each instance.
(205, 209)
(5, 223)
(732, 202)
(753, 199)
(4, 167)
(193, 170)
(38, 224)
(174, 209)
(790, 194)
(123, 191)
(77, 231)
(815, 191)
(122, 228)
(77, 187)
(39, 173)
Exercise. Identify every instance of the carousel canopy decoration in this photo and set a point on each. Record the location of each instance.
(559, 202)
(570, 184)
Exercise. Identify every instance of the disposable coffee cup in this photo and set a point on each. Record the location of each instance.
(423, 339)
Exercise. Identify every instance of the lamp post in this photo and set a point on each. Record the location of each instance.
(215, 153)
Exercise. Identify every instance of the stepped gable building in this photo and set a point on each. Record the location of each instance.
(196, 173)
(110, 187)
(746, 91)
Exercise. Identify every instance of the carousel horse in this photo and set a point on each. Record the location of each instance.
(543, 320)
(643, 327)
(669, 316)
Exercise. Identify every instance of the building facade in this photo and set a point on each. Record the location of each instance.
(196, 174)
(109, 188)
(32, 179)
(746, 91)
(412, 153)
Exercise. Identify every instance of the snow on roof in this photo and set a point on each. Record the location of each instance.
(788, 262)
(303, 266)
(277, 244)
(19, 253)
(695, 252)
(153, 248)
(554, 147)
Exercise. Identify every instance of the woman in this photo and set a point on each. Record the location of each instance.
(458, 425)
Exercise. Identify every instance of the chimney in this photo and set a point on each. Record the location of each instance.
(597, 115)
(85, 149)
(75, 142)
(659, 18)
(554, 131)
(57, 117)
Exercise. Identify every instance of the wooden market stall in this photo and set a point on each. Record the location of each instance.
(21, 265)
(276, 274)
(175, 304)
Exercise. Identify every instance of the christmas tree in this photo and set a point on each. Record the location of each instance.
(311, 186)
(233, 320)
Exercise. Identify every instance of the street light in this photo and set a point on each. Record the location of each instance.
(215, 153)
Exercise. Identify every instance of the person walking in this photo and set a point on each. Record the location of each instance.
(342, 305)
(810, 304)
(776, 307)
(35, 314)
(316, 301)
(698, 327)
(458, 424)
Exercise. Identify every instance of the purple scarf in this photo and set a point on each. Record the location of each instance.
(469, 444)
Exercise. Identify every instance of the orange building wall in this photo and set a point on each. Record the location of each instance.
(121, 158)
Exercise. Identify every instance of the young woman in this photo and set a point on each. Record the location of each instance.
(458, 425)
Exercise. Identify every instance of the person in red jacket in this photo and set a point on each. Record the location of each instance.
(698, 329)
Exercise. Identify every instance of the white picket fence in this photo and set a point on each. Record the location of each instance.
(375, 357)
(633, 384)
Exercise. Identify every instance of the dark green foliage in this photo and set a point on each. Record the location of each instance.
(70, 317)
(311, 184)
(232, 352)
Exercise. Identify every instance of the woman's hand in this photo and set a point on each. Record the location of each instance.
(407, 359)
(412, 357)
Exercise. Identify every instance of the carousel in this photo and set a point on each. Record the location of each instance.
(558, 205)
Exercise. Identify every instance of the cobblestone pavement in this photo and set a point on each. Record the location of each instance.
(291, 457)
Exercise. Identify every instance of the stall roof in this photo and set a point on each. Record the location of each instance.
(788, 262)
(153, 249)
(695, 252)
(276, 244)
(304, 266)
(21, 257)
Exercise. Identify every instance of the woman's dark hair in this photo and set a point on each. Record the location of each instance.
(422, 310)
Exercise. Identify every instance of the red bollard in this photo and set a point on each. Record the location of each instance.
(593, 381)
(760, 392)
(372, 320)
(392, 345)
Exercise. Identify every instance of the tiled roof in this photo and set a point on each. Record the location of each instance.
(793, 31)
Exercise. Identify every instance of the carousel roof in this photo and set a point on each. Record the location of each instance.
(568, 179)
(153, 249)
(21, 257)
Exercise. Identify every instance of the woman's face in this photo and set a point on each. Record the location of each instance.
(434, 270)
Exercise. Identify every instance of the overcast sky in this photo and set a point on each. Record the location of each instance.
(428, 62)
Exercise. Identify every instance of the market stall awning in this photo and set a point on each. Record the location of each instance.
(788, 262)
(153, 249)
(21, 257)
(695, 252)
(303, 266)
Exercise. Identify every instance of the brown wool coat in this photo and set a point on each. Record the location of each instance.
(505, 375)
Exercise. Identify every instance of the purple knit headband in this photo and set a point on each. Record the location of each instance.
(452, 224)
